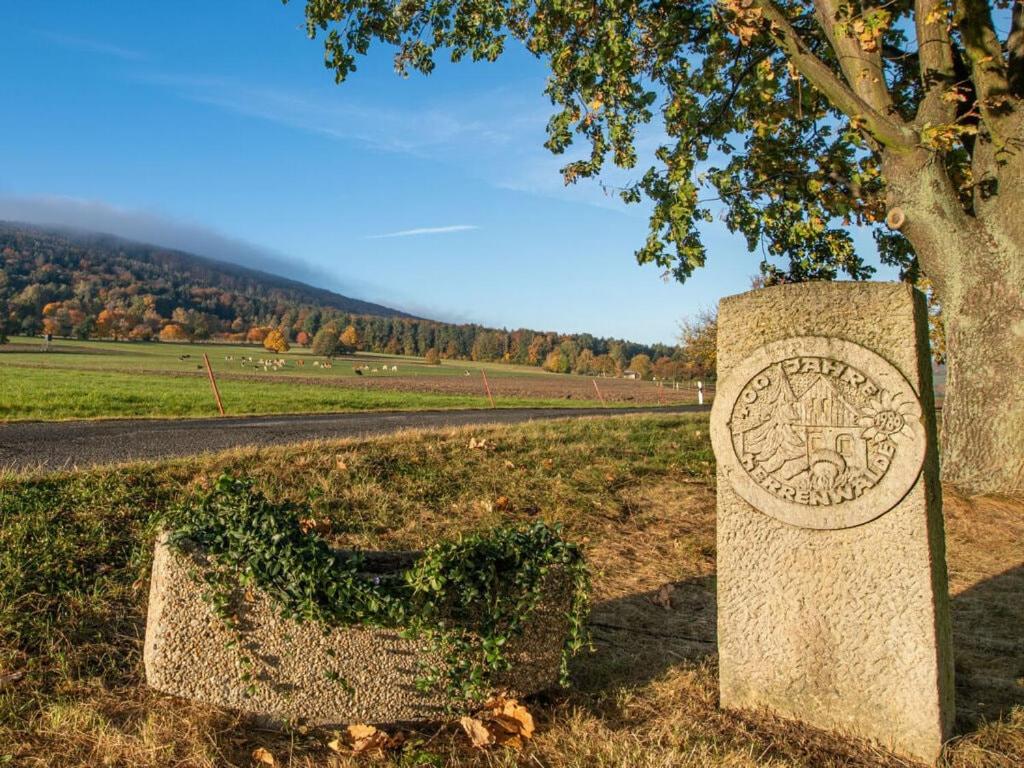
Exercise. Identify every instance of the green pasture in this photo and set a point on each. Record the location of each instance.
(82, 380)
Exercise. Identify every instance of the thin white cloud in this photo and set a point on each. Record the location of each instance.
(495, 134)
(424, 231)
(90, 45)
(422, 132)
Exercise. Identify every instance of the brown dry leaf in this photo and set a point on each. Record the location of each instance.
(511, 716)
(663, 598)
(309, 524)
(335, 744)
(341, 464)
(10, 678)
(503, 504)
(511, 741)
(263, 756)
(478, 733)
(477, 444)
(509, 464)
(366, 738)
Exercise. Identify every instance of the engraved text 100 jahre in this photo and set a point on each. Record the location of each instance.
(816, 431)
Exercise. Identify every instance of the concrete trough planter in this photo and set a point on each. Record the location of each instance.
(303, 673)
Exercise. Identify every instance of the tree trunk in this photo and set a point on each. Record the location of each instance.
(976, 264)
(983, 409)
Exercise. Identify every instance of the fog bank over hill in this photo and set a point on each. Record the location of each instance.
(94, 216)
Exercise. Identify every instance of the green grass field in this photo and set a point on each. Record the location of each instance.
(636, 492)
(94, 379)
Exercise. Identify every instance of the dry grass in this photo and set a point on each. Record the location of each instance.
(637, 491)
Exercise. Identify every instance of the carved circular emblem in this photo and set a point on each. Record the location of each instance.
(818, 432)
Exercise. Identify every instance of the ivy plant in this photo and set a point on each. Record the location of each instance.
(466, 598)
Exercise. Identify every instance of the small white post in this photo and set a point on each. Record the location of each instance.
(700, 393)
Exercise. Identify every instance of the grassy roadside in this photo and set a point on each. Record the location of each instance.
(636, 491)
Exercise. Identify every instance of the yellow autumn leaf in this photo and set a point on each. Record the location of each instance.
(263, 756)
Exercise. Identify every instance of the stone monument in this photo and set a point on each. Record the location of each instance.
(833, 604)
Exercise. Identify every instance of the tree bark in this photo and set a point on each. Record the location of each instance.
(976, 263)
(983, 409)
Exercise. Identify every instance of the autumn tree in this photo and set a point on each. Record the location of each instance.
(173, 332)
(584, 362)
(557, 361)
(276, 342)
(698, 342)
(797, 120)
(350, 337)
(256, 335)
(642, 365)
(433, 357)
(326, 342)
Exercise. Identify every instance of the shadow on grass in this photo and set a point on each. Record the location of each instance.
(638, 638)
(988, 646)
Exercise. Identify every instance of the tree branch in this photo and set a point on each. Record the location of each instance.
(892, 135)
(1015, 49)
(985, 58)
(863, 69)
(935, 61)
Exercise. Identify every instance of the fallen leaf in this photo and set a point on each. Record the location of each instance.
(503, 504)
(10, 678)
(341, 464)
(510, 716)
(509, 464)
(308, 524)
(336, 744)
(509, 740)
(478, 732)
(663, 598)
(366, 738)
(263, 756)
(477, 444)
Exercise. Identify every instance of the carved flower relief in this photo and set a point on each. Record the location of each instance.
(887, 418)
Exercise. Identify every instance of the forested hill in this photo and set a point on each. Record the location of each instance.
(122, 268)
(98, 286)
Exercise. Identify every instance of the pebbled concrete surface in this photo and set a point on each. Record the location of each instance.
(59, 445)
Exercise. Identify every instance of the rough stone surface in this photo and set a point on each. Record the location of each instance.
(299, 667)
(833, 604)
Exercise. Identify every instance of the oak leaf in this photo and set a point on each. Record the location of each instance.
(663, 597)
(263, 756)
(367, 738)
(478, 733)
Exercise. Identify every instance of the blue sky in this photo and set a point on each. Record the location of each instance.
(213, 126)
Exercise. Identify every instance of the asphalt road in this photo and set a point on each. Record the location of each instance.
(57, 445)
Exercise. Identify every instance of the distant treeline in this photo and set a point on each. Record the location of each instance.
(86, 286)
